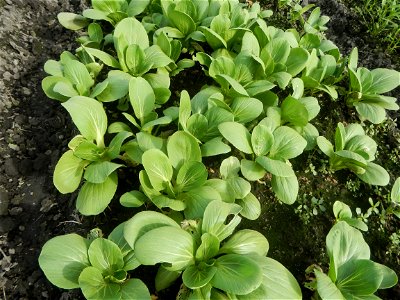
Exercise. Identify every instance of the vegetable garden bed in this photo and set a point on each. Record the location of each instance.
(246, 144)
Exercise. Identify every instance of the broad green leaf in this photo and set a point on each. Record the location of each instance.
(216, 116)
(147, 141)
(133, 199)
(215, 217)
(277, 283)
(104, 57)
(294, 112)
(105, 256)
(65, 88)
(389, 277)
(88, 151)
(251, 207)
(53, 67)
(136, 7)
(143, 222)
(166, 245)
(325, 146)
(371, 111)
(135, 59)
(133, 32)
(165, 278)
(358, 277)
(95, 32)
(208, 248)
(98, 172)
(63, 258)
(395, 193)
(237, 274)
(281, 78)
(229, 167)
(155, 55)
(279, 49)
(236, 88)
(250, 44)
(262, 140)
(296, 61)
(93, 198)
(353, 130)
(68, 172)
(240, 187)
(214, 147)
(213, 39)
(182, 147)
(258, 87)
(275, 167)
(310, 134)
(251, 170)
(246, 109)
(347, 159)
(223, 188)
(146, 186)
(77, 73)
(375, 175)
(287, 143)
(197, 125)
(384, 80)
(353, 58)
(285, 188)
(114, 148)
(162, 201)
(96, 14)
(158, 167)
(237, 135)
(182, 21)
(246, 241)
(341, 210)
(109, 6)
(344, 243)
(117, 86)
(362, 145)
(197, 199)
(192, 174)
(48, 84)
(184, 109)
(326, 288)
(141, 96)
(311, 105)
(89, 116)
(72, 21)
(194, 278)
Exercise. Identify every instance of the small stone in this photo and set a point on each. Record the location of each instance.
(10, 167)
(15, 211)
(13, 147)
(4, 202)
(26, 91)
(7, 75)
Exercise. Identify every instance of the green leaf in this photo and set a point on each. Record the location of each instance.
(98, 172)
(358, 277)
(88, 151)
(194, 278)
(362, 145)
(341, 210)
(326, 288)
(216, 214)
(147, 141)
(93, 198)
(214, 147)
(184, 109)
(182, 21)
(137, 7)
(192, 174)
(262, 140)
(155, 55)
(77, 73)
(166, 244)
(375, 175)
(237, 88)
(109, 6)
(197, 199)
(371, 111)
(208, 248)
(285, 188)
(158, 167)
(237, 135)
(395, 193)
(287, 143)
(53, 67)
(95, 32)
(240, 187)
(213, 38)
(48, 84)
(389, 276)
(143, 222)
(65, 88)
(344, 243)
(353, 59)
(296, 61)
(162, 201)
(117, 86)
(246, 241)
(72, 21)
(105, 256)
(95, 14)
(246, 109)
(251, 207)
(68, 172)
(106, 58)
(311, 105)
(63, 258)
(165, 278)
(275, 167)
(277, 283)
(325, 146)
(89, 116)
(114, 148)
(294, 112)
(251, 170)
(384, 80)
(182, 147)
(133, 32)
(141, 96)
(133, 199)
(279, 49)
(229, 167)
(236, 274)
(197, 125)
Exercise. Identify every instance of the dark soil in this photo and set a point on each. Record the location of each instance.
(34, 132)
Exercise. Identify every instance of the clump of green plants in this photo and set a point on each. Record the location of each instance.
(254, 118)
